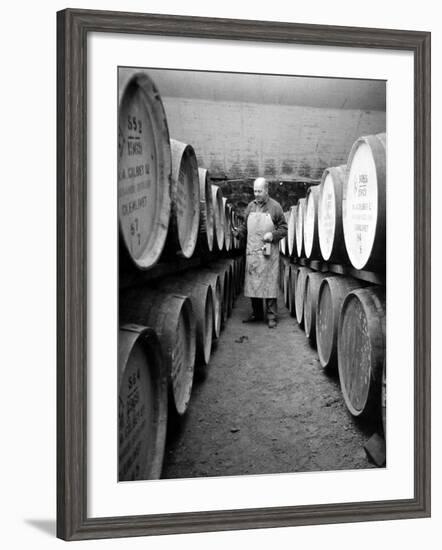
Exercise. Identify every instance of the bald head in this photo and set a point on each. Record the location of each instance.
(260, 189)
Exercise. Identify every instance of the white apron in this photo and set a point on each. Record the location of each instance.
(262, 272)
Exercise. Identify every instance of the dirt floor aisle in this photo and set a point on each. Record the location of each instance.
(266, 406)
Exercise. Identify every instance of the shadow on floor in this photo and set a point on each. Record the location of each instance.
(47, 526)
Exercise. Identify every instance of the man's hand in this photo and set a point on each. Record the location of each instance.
(268, 237)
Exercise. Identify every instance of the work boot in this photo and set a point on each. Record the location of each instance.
(272, 323)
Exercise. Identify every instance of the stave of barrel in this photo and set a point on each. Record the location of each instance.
(230, 210)
(172, 318)
(301, 278)
(285, 239)
(363, 203)
(291, 229)
(299, 228)
(330, 230)
(282, 246)
(206, 230)
(218, 213)
(227, 225)
(361, 350)
(310, 229)
(144, 173)
(142, 404)
(283, 242)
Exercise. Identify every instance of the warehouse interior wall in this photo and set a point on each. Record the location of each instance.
(281, 142)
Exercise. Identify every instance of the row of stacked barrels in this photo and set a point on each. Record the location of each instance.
(167, 205)
(342, 220)
(167, 208)
(167, 334)
(344, 318)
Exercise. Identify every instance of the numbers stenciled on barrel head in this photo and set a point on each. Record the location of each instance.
(134, 231)
(134, 124)
(134, 128)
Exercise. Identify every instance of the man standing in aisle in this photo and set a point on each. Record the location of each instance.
(265, 225)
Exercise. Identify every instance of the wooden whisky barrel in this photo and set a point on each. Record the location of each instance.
(212, 279)
(331, 295)
(227, 225)
(363, 204)
(311, 238)
(142, 404)
(172, 318)
(312, 284)
(202, 305)
(185, 197)
(144, 172)
(331, 237)
(301, 279)
(361, 349)
(299, 230)
(218, 213)
(207, 223)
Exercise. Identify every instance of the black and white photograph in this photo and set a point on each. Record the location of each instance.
(220, 233)
(252, 274)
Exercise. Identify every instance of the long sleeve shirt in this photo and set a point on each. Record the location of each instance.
(274, 209)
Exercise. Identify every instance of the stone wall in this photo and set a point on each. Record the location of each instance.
(281, 142)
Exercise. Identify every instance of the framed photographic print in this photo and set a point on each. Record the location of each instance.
(243, 274)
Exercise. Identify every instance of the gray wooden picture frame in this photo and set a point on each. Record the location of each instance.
(73, 27)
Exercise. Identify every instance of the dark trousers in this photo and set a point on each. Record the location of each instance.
(270, 305)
